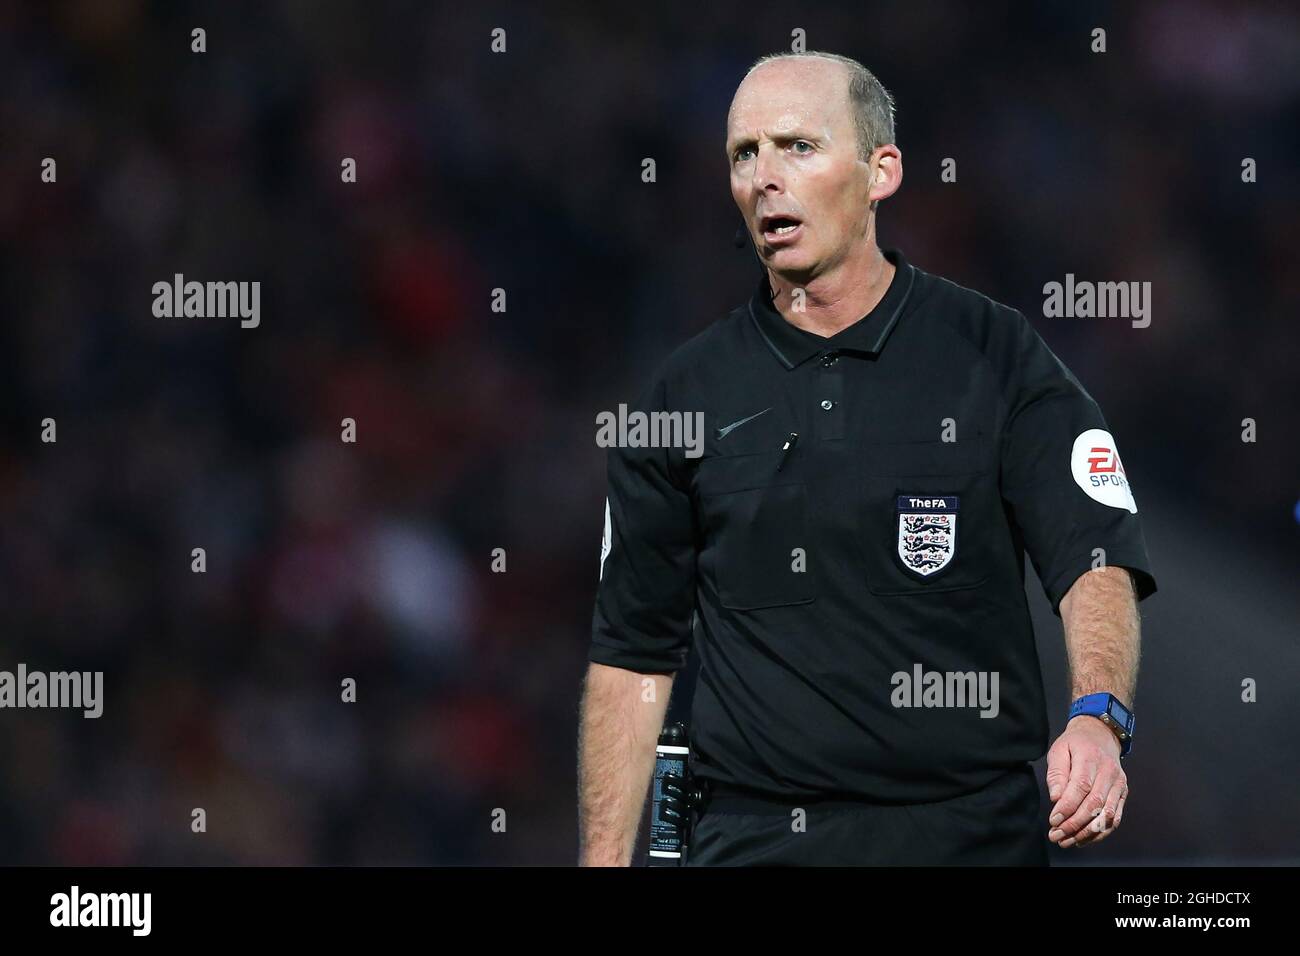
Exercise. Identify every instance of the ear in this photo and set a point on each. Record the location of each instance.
(886, 172)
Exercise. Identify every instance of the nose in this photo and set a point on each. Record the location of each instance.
(767, 171)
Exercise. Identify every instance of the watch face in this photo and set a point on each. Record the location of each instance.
(1118, 712)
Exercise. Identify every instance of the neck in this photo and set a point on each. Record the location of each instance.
(836, 299)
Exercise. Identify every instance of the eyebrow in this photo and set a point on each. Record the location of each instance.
(788, 137)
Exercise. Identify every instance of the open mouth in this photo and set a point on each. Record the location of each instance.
(778, 229)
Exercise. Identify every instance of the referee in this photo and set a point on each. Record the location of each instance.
(845, 548)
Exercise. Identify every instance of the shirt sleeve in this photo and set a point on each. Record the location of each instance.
(646, 591)
(1063, 478)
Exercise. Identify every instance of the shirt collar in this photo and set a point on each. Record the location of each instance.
(793, 345)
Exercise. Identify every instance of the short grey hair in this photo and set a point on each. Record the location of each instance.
(872, 104)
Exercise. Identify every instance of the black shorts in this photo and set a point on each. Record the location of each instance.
(1000, 825)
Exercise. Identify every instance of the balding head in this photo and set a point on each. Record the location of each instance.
(869, 103)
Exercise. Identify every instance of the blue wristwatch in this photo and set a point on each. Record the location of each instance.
(1107, 709)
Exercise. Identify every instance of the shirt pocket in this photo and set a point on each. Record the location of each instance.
(924, 516)
(756, 532)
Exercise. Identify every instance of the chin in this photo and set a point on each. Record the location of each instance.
(790, 262)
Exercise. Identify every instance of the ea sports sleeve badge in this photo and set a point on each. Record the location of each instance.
(1097, 469)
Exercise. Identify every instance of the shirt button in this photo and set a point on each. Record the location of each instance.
(830, 360)
(827, 404)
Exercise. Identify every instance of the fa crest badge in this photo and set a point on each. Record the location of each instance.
(927, 533)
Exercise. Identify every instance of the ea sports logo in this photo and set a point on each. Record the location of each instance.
(1097, 469)
(1104, 460)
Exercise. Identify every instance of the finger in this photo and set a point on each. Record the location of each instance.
(1058, 769)
(1103, 819)
(1099, 837)
(1092, 832)
(1110, 812)
(1078, 827)
(1090, 808)
(1082, 776)
(1119, 811)
(1116, 821)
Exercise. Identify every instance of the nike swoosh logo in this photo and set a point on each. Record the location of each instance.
(727, 429)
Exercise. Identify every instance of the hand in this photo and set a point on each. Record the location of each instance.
(1085, 783)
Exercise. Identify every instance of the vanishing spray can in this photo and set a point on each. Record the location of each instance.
(668, 833)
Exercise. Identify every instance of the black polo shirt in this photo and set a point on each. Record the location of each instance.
(828, 585)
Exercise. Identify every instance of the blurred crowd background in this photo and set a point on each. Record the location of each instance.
(475, 429)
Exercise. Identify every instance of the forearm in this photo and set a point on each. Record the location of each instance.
(622, 716)
(1102, 635)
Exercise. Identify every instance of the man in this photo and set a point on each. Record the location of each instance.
(847, 553)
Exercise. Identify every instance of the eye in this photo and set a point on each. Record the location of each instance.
(739, 155)
(803, 142)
